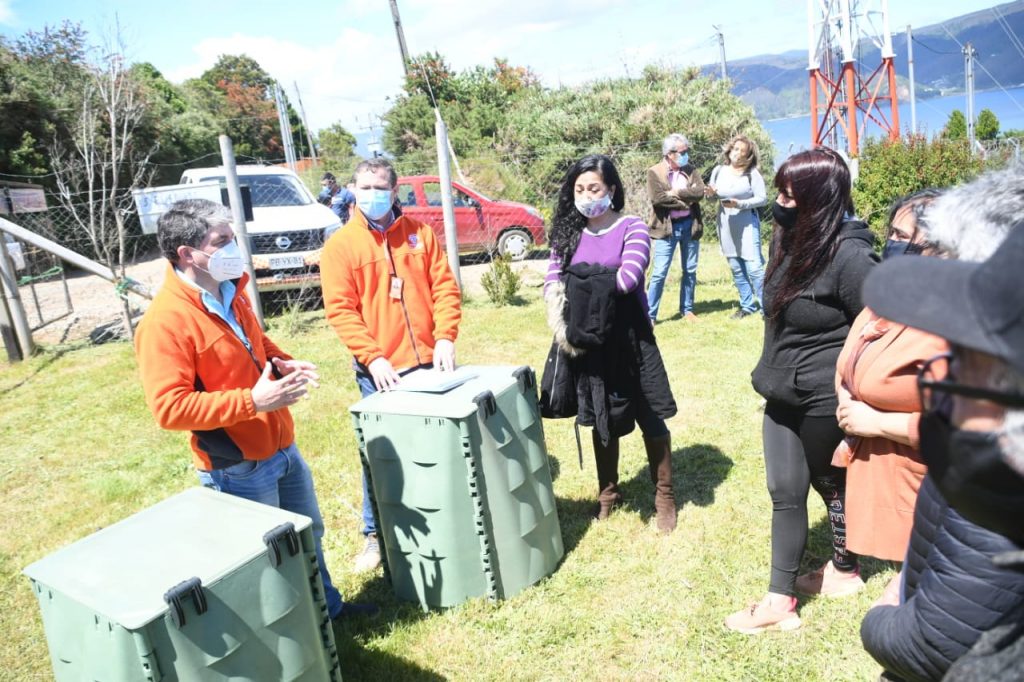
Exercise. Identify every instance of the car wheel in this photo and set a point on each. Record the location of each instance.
(514, 244)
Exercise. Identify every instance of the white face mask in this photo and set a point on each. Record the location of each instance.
(592, 208)
(226, 263)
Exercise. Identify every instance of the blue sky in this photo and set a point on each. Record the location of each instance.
(344, 54)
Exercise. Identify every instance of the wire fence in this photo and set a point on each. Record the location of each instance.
(63, 304)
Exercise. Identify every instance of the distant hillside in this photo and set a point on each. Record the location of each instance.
(776, 85)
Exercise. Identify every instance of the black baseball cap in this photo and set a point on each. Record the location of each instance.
(979, 306)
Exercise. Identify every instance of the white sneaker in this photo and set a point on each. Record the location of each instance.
(369, 558)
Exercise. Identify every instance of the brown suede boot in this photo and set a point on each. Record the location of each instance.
(659, 458)
(607, 459)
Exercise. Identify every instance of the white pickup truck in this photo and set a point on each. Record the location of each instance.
(288, 229)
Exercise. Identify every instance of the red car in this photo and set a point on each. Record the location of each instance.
(483, 224)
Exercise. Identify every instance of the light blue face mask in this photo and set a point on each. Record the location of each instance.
(683, 159)
(374, 203)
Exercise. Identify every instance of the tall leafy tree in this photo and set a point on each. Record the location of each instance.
(987, 127)
(956, 126)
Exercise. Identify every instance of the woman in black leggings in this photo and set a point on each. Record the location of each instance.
(819, 258)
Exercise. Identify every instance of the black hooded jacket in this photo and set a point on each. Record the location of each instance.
(802, 342)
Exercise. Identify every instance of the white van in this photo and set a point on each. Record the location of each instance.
(288, 229)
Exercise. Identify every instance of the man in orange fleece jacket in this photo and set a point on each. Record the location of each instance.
(390, 295)
(207, 367)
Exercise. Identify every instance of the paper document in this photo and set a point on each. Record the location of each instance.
(434, 380)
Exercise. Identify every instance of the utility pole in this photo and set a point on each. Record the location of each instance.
(969, 55)
(401, 36)
(721, 48)
(305, 123)
(286, 128)
(910, 69)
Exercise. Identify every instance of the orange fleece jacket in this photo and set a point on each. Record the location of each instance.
(198, 376)
(355, 275)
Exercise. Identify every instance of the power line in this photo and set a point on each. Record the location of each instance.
(932, 49)
(1014, 40)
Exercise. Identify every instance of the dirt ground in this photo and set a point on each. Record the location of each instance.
(95, 305)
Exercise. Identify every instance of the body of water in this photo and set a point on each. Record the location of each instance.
(793, 134)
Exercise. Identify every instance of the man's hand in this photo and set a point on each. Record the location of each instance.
(286, 367)
(384, 375)
(269, 395)
(444, 355)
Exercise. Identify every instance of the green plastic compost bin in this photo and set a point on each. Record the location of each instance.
(461, 487)
(201, 586)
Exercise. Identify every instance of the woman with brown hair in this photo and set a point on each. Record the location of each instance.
(740, 188)
(820, 255)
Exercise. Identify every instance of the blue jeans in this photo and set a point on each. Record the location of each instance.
(366, 388)
(748, 275)
(689, 251)
(282, 480)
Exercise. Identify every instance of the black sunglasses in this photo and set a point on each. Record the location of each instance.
(935, 382)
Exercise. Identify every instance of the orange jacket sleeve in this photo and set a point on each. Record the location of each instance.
(167, 369)
(342, 304)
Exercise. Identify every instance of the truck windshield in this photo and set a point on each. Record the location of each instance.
(271, 190)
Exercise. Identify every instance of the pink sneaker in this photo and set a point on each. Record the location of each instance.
(762, 616)
(828, 581)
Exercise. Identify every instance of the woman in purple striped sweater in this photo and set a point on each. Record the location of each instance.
(588, 228)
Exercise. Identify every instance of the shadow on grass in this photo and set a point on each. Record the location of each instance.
(697, 470)
(819, 549)
(714, 306)
(360, 663)
(52, 356)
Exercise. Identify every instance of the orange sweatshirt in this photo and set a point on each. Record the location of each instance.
(356, 271)
(197, 376)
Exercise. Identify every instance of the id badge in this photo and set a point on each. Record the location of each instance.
(396, 288)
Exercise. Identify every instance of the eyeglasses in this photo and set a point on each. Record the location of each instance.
(936, 385)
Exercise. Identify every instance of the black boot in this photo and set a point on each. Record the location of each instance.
(659, 459)
(607, 459)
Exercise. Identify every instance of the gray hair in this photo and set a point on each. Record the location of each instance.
(971, 221)
(671, 141)
(186, 222)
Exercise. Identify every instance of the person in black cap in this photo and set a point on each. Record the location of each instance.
(964, 573)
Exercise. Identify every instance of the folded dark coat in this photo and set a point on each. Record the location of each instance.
(619, 363)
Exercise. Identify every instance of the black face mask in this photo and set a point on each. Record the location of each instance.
(969, 469)
(895, 248)
(785, 216)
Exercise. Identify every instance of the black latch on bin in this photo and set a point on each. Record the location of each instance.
(192, 587)
(526, 378)
(273, 537)
(486, 405)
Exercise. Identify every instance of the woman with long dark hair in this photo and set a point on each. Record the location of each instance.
(597, 309)
(820, 255)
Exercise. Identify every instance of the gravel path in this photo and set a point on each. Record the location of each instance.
(96, 305)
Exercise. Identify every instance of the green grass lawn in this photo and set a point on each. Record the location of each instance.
(80, 451)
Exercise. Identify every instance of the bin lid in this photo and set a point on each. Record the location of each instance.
(456, 403)
(123, 570)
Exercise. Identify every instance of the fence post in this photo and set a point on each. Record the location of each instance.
(10, 339)
(227, 153)
(451, 235)
(13, 302)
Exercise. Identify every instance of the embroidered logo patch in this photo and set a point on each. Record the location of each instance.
(414, 240)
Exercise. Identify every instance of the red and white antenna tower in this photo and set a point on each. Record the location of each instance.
(842, 99)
